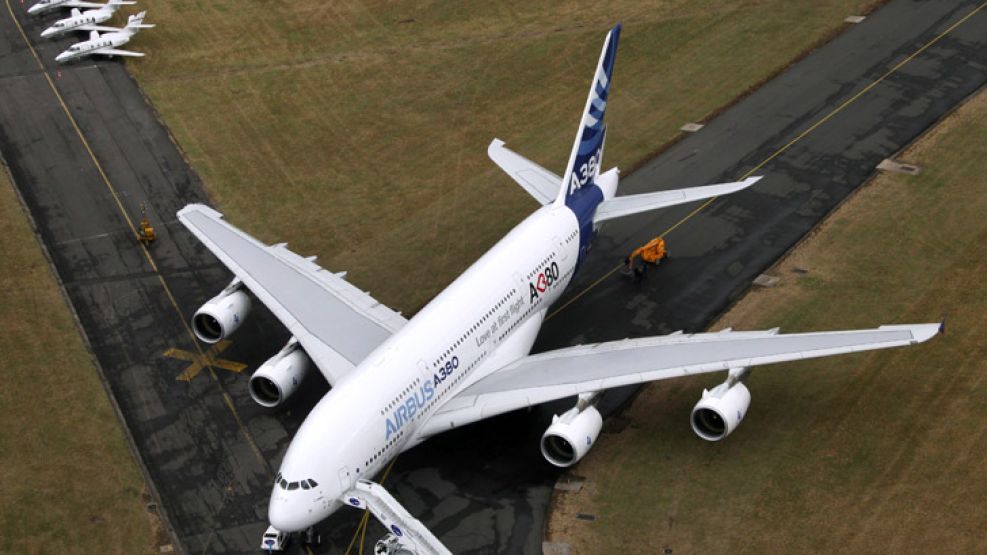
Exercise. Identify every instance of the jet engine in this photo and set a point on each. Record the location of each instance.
(720, 410)
(280, 376)
(222, 314)
(571, 435)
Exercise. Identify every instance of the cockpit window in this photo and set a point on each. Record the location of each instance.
(285, 484)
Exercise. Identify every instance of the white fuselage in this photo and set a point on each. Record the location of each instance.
(91, 17)
(46, 5)
(86, 48)
(485, 319)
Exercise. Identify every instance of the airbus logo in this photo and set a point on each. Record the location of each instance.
(407, 410)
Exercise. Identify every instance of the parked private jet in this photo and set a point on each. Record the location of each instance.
(465, 356)
(47, 5)
(88, 20)
(108, 43)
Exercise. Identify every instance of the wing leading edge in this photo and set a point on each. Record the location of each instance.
(337, 324)
(117, 52)
(566, 372)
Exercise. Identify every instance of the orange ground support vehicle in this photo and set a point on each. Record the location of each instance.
(651, 253)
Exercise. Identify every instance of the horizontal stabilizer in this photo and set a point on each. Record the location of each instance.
(632, 204)
(536, 180)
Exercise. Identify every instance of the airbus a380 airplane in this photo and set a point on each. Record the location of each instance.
(464, 357)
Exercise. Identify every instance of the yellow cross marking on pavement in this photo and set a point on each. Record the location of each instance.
(206, 359)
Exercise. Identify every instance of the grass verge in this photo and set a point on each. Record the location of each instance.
(69, 483)
(875, 452)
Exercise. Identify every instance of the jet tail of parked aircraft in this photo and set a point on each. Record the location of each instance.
(135, 23)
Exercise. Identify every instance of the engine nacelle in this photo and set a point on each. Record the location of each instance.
(221, 315)
(280, 376)
(571, 435)
(720, 411)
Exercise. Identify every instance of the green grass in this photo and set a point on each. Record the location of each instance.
(358, 131)
(876, 452)
(69, 483)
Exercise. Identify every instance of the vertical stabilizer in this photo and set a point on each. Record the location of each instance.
(135, 23)
(587, 151)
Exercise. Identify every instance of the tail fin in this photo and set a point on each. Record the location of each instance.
(587, 151)
(136, 23)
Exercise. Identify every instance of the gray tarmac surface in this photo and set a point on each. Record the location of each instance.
(210, 450)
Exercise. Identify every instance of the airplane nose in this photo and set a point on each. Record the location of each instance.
(47, 33)
(293, 511)
(34, 9)
(61, 57)
(288, 515)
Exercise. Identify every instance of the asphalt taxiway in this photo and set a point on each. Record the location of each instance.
(85, 150)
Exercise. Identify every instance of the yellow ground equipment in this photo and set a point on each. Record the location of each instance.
(635, 265)
(651, 253)
(145, 232)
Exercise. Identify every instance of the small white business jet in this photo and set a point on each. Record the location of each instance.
(464, 357)
(88, 20)
(108, 44)
(47, 5)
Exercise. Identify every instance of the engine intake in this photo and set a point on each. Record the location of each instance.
(222, 315)
(280, 376)
(571, 436)
(720, 411)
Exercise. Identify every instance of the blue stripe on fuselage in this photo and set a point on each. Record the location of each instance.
(583, 204)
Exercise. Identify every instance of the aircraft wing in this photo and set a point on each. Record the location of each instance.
(536, 180)
(566, 372)
(632, 204)
(101, 29)
(337, 324)
(118, 52)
